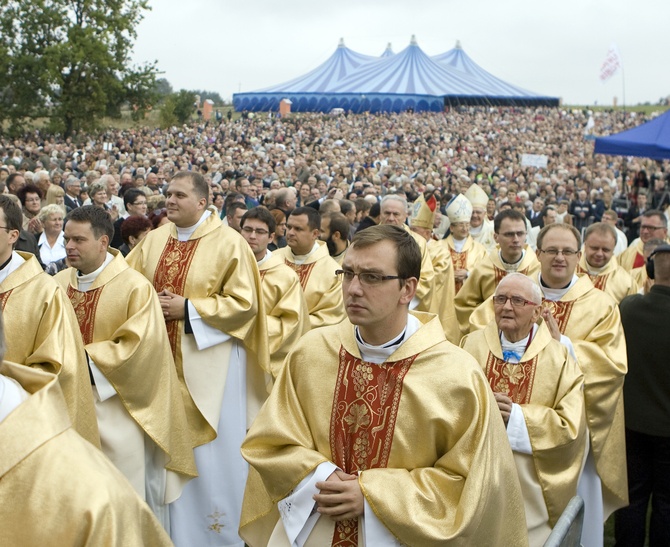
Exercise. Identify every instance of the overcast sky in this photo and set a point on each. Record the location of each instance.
(549, 47)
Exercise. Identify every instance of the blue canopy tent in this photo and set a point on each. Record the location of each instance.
(409, 80)
(649, 140)
(503, 92)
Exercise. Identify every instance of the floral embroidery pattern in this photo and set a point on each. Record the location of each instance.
(216, 524)
(513, 379)
(561, 312)
(171, 273)
(3, 298)
(303, 271)
(85, 305)
(363, 417)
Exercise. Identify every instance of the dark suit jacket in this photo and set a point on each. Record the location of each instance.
(70, 203)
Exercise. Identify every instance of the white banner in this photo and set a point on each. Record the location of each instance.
(611, 64)
(534, 160)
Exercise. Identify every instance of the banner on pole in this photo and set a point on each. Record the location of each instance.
(611, 64)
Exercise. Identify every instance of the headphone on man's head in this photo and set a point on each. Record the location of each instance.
(665, 248)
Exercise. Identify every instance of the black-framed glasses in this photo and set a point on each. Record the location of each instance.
(650, 228)
(567, 253)
(8, 228)
(516, 301)
(259, 231)
(366, 278)
(510, 235)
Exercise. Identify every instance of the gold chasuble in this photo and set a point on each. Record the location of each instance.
(469, 257)
(613, 280)
(483, 281)
(225, 290)
(425, 290)
(633, 256)
(321, 287)
(286, 309)
(590, 318)
(547, 384)
(121, 324)
(56, 488)
(443, 290)
(421, 430)
(42, 332)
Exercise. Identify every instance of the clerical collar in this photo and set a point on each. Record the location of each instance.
(6, 263)
(300, 259)
(379, 354)
(8, 268)
(459, 244)
(595, 271)
(513, 351)
(268, 254)
(513, 266)
(84, 281)
(556, 294)
(184, 234)
(475, 231)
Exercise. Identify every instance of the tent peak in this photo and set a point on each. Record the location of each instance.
(341, 43)
(413, 41)
(388, 47)
(458, 45)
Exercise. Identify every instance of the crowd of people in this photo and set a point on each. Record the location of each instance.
(297, 289)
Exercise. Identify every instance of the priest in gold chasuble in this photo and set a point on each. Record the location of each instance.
(654, 225)
(309, 258)
(587, 321)
(378, 431)
(512, 255)
(141, 418)
(466, 253)
(287, 314)
(599, 263)
(209, 289)
(40, 324)
(538, 386)
(55, 487)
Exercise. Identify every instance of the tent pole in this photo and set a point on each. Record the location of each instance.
(623, 85)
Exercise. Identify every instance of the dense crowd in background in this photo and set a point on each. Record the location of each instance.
(360, 155)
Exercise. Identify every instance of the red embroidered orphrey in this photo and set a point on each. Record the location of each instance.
(460, 261)
(85, 304)
(303, 271)
(171, 273)
(561, 312)
(362, 421)
(599, 281)
(3, 298)
(513, 379)
(500, 274)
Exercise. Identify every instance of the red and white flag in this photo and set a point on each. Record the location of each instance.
(611, 65)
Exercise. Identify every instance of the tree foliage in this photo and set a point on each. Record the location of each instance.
(177, 108)
(204, 95)
(69, 60)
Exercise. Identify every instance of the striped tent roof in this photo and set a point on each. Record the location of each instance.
(344, 61)
(410, 71)
(457, 59)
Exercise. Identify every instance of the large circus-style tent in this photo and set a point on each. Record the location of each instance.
(393, 82)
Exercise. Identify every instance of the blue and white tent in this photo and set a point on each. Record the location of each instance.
(409, 80)
(503, 92)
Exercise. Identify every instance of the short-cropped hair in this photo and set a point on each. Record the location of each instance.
(408, 252)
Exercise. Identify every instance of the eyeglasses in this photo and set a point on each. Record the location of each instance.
(516, 301)
(366, 278)
(8, 228)
(651, 228)
(567, 253)
(259, 231)
(138, 203)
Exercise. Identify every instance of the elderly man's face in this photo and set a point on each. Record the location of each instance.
(520, 310)
(393, 212)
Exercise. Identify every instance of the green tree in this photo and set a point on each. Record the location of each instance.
(177, 108)
(69, 60)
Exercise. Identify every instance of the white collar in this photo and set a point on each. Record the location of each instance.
(300, 259)
(13, 265)
(514, 265)
(184, 234)
(84, 281)
(268, 254)
(555, 294)
(515, 349)
(379, 354)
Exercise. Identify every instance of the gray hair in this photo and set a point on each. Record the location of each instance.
(536, 293)
(394, 197)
